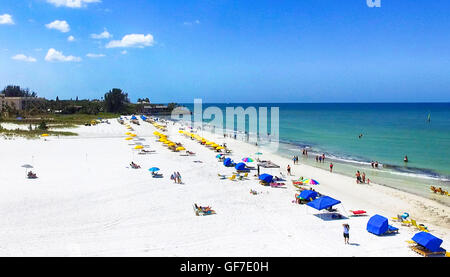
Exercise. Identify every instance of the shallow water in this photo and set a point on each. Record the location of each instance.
(389, 132)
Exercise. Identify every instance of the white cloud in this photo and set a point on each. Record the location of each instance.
(60, 25)
(90, 55)
(104, 35)
(190, 23)
(23, 58)
(72, 3)
(6, 19)
(132, 40)
(56, 56)
(71, 39)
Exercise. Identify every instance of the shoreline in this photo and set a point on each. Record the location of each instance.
(438, 219)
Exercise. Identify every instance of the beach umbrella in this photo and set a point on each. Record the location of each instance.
(153, 169)
(44, 135)
(306, 194)
(323, 203)
(133, 135)
(127, 133)
(180, 148)
(227, 162)
(266, 177)
(138, 147)
(27, 166)
(247, 160)
(220, 148)
(240, 166)
(128, 138)
(310, 181)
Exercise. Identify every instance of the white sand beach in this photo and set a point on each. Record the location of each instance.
(87, 201)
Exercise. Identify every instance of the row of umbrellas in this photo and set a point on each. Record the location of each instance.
(208, 143)
(169, 143)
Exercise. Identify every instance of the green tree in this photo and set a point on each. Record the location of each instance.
(116, 100)
(17, 91)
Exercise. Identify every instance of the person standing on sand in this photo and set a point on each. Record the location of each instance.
(179, 177)
(331, 167)
(346, 233)
(323, 157)
(289, 170)
(358, 177)
(364, 178)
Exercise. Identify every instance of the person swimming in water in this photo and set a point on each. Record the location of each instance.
(405, 159)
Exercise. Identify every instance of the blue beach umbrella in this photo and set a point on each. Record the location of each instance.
(323, 202)
(306, 194)
(266, 177)
(227, 162)
(153, 169)
(240, 166)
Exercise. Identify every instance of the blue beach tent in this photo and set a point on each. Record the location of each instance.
(428, 241)
(227, 162)
(240, 166)
(323, 202)
(306, 194)
(266, 177)
(377, 225)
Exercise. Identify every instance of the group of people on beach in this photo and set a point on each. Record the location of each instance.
(295, 159)
(361, 178)
(374, 164)
(176, 177)
(320, 158)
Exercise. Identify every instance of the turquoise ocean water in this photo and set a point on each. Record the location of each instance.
(390, 131)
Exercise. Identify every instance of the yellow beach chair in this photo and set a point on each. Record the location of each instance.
(232, 178)
(421, 228)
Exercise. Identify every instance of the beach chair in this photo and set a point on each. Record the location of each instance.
(358, 213)
(425, 252)
(202, 212)
(420, 227)
(277, 185)
(392, 230)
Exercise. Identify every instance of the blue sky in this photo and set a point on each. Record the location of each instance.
(229, 51)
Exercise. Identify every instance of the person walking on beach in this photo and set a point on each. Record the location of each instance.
(320, 159)
(317, 159)
(178, 177)
(323, 157)
(289, 170)
(364, 178)
(346, 233)
(331, 167)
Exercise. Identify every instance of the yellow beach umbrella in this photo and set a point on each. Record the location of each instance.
(181, 132)
(220, 147)
(139, 147)
(128, 138)
(133, 135)
(127, 133)
(44, 135)
(180, 148)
